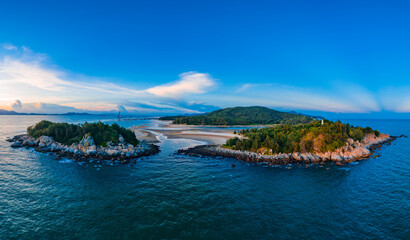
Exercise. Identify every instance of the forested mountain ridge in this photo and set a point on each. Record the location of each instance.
(242, 116)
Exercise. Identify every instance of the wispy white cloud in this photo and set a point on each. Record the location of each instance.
(170, 106)
(41, 107)
(41, 87)
(341, 98)
(9, 46)
(248, 86)
(15, 72)
(26, 75)
(189, 83)
(396, 99)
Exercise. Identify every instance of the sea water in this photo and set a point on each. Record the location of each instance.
(167, 196)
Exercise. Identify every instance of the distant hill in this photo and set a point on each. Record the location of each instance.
(313, 116)
(241, 116)
(6, 112)
(74, 113)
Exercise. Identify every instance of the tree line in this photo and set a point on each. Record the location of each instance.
(68, 134)
(242, 116)
(311, 137)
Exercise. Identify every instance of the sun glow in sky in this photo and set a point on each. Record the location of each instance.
(195, 56)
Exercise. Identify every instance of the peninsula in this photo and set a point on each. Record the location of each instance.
(278, 137)
(315, 142)
(86, 141)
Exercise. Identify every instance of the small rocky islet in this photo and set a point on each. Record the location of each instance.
(109, 145)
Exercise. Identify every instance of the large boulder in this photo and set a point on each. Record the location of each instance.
(313, 158)
(91, 150)
(16, 144)
(29, 142)
(112, 152)
(336, 157)
(361, 152)
(350, 141)
(306, 157)
(87, 141)
(296, 156)
(45, 141)
(87, 144)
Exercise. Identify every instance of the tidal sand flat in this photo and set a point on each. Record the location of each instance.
(142, 133)
(212, 135)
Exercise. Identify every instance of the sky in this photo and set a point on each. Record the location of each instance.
(161, 57)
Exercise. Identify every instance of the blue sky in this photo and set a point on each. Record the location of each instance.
(330, 57)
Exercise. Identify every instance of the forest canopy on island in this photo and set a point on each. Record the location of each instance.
(66, 133)
(312, 137)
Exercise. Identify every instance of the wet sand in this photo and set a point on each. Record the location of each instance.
(216, 136)
(207, 136)
(143, 134)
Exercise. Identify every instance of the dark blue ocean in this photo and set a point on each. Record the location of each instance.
(179, 197)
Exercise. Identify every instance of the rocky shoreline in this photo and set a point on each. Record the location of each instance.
(353, 151)
(86, 150)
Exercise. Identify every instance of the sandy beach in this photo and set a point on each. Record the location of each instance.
(207, 136)
(211, 135)
(142, 133)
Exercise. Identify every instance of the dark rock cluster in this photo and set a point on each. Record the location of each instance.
(86, 150)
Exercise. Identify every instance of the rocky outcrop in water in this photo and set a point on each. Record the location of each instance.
(353, 151)
(86, 148)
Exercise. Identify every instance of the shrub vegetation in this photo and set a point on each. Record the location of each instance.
(73, 133)
(311, 137)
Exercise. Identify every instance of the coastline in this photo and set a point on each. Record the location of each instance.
(216, 137)
(339, 157)
(213, 137)
(86, 150)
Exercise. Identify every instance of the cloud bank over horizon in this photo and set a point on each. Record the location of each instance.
(29, 83)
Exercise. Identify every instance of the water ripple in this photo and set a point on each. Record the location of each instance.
(181, 197)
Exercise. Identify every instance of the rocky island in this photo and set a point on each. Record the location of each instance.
(88, 141)
(311, 143)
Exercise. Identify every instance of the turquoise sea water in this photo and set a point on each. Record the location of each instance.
(179, 197)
